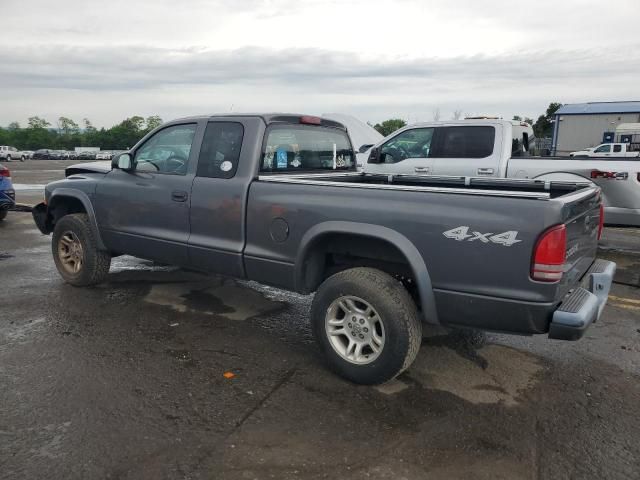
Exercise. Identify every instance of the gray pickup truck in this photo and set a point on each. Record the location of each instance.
(277, 199)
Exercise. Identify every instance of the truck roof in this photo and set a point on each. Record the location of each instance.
(483, 121)
(272, 117)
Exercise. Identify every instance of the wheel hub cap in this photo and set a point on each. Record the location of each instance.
(70, 252)
(355, 330)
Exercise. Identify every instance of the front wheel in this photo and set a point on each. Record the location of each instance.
(23, 158)
(3, 214)
(366, 325)
(76, 253)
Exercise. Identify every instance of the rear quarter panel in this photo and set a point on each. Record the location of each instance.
(468, 265)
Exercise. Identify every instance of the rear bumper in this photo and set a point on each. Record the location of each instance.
(584, 305)
(7, 199)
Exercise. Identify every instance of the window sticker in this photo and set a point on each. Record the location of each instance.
(226, 166)
(281, 158)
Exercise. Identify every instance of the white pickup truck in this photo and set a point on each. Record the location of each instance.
(608, 150)
(8, 153)
(496, 148)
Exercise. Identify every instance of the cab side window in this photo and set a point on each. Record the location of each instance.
(603, 149)
(414, 143)
(617, 148)
(220, 150)
(167, 151)
(465, 142)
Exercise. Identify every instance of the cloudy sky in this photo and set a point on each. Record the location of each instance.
(372, 58)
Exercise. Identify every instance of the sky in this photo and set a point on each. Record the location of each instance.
(373, 59)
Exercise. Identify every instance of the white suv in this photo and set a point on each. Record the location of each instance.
(11, 153)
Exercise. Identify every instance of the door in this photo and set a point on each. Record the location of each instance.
(603, 151)
(218, 198)
(145, 212)
(469, 151)
(407, 153)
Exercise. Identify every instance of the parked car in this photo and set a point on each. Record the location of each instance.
(277, 199)
(104, 155)
(87, 155)
(607, 150)
(71, 155)
(28, 153)
(42, 154)
(57, 155)
(9, 153)
(494, 149)
(7, 193)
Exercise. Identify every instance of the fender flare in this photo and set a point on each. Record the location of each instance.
(60, 193)
(406, 247)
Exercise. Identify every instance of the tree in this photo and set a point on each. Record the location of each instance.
(67, 126)
(389, 126)
(88, 126)
(544, 125)
(457, 115)
(517, 118)
(14, 126)
(436, 115)
(37, 122)
(153, 121)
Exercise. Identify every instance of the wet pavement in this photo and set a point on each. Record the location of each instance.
(127, 380)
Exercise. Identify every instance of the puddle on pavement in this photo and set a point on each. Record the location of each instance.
(220, 297)
(494, 374)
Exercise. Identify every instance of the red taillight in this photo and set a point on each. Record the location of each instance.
(309, 120)
(4, 172)
(601, 222)
(549, 255)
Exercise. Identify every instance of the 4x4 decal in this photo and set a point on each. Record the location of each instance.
(462, 234)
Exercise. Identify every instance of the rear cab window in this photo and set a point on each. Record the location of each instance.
(304, 148)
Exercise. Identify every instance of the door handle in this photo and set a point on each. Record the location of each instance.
(421, 169)
(485, 171)
(178, 196)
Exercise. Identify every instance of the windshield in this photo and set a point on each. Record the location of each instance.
(302, 148)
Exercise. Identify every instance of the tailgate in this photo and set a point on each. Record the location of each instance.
(581, 215)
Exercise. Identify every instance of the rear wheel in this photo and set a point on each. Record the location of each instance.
(3, 214)
(366, 325)
(75, 251)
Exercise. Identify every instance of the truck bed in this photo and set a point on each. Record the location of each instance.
(523, 188)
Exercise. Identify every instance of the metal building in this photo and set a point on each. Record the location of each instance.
(581, 125)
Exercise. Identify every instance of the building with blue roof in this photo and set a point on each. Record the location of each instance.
(581, 125)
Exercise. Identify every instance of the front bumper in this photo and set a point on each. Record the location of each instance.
(41, 218)
(584, 305)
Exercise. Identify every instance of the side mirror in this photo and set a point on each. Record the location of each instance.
(122, 161)
(374, 156)
(365, 147)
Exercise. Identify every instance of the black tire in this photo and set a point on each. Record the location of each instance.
(3, 214)
(396, 310)
(22, 158)
(95, 263)
(8, 158)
